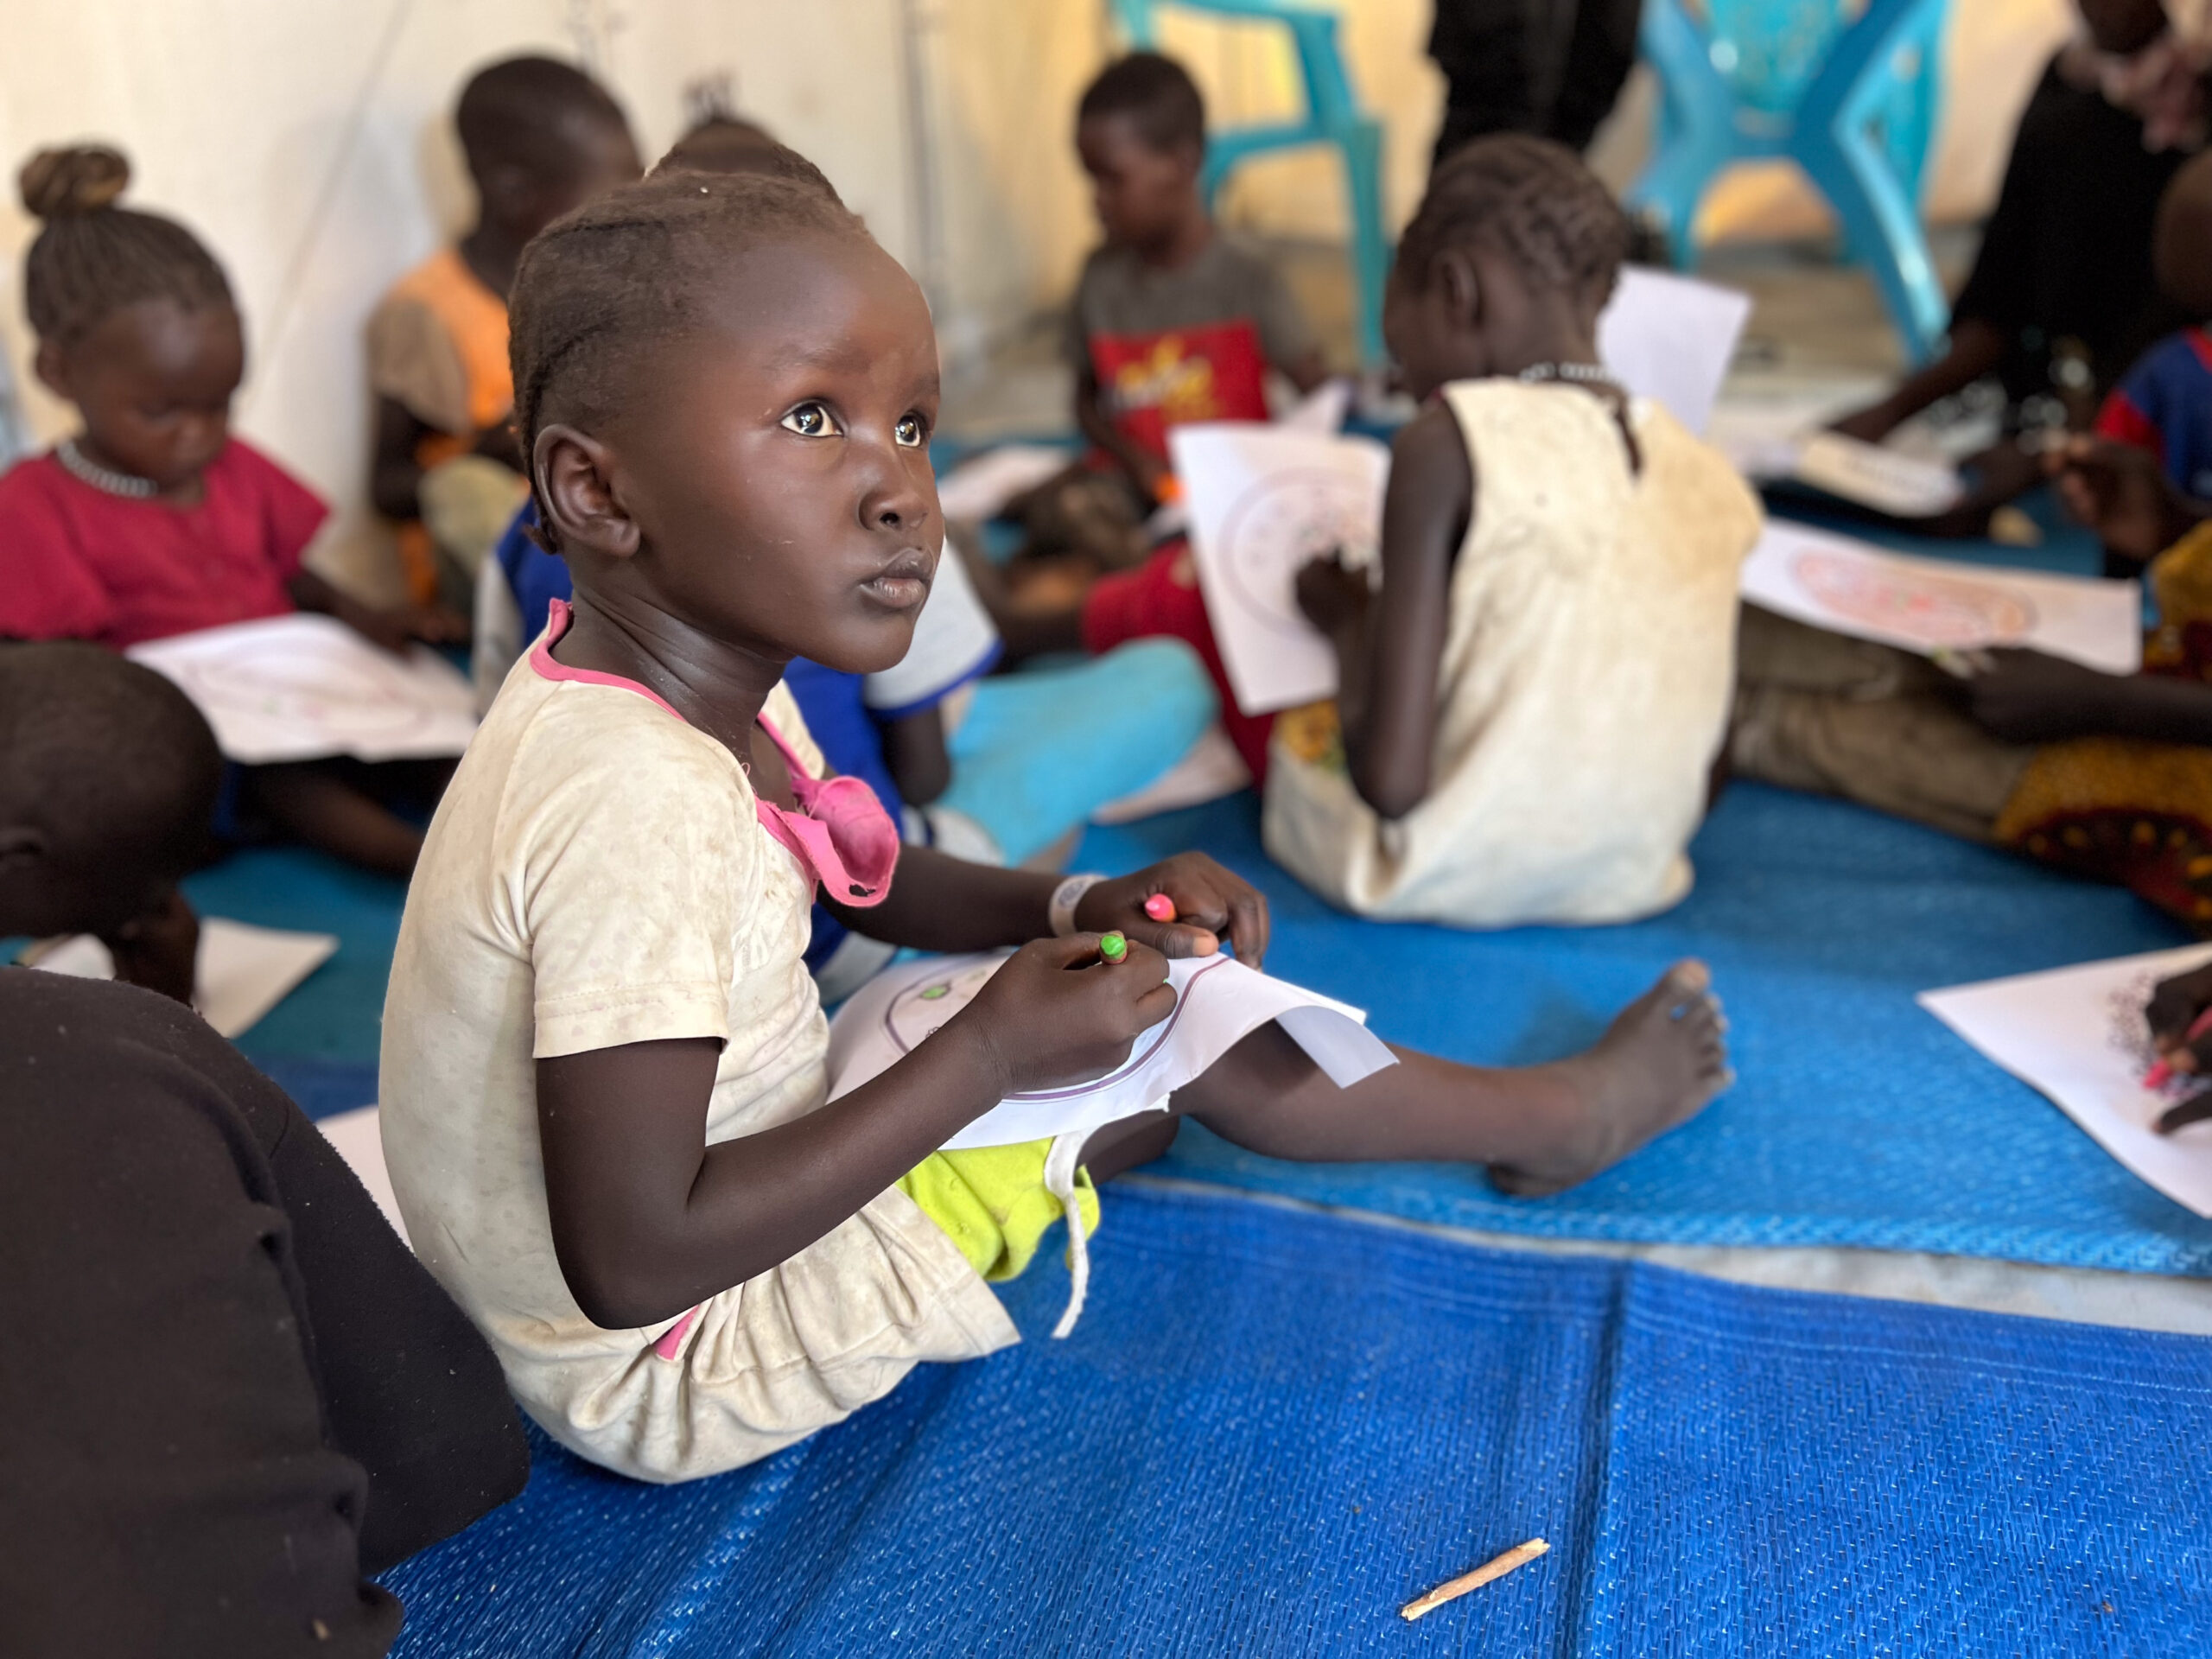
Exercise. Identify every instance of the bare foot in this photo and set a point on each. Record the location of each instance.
(1665, 1056)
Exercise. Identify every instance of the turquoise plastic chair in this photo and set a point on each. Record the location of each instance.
(1852, 102)
(1332, 117)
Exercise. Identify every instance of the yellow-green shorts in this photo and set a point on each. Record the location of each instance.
(992, 1202)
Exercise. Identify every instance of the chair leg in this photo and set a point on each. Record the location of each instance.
(1361, 144)
(1696, 137)
(1834, 142)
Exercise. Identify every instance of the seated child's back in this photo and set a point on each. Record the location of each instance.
(1534, 696)
(2163, 402)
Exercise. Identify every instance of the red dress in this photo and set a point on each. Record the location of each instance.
(77, 563)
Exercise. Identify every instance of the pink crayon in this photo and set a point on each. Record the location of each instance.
(1160, 908)
(2161, 1074)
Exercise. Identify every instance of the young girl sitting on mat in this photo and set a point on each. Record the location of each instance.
(604, 1078)
(155, 519)
(1534, 692)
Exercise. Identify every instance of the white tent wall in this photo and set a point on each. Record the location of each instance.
(309, 142)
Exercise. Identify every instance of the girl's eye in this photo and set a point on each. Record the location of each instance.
(811, 421)
(909, 432)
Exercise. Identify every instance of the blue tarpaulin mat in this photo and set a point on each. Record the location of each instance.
(1273, 1428)
(1858, 1119)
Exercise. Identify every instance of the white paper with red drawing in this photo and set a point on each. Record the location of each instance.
(1929, 604)
(1218, 1002)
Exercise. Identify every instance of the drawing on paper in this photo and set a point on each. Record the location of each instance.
(2126, 1033)
(918, 1010)
(1282, 522)
(1929, 609)
(352, 699)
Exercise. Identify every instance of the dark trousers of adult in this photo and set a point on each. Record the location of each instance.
(1552, 68)
(228, 1392)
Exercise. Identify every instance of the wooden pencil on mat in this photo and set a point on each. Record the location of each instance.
(1497, 1568)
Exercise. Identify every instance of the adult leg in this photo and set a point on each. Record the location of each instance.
(1499, 75)
(1539, 1128)
(1600, 52)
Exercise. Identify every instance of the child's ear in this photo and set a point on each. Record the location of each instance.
(576, 482)
(1455, 275)
(51, 365)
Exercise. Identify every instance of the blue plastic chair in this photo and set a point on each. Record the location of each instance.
(1852, 103)
(1332, 117)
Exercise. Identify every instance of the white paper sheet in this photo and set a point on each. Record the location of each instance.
(1925, 605)
(1671, 339)
(2077, 1035)
(1218, 1001)
(358, 1135)
(1262, 502)
(980, 488)
(1875, 475)
(242, 973)
(301, 688)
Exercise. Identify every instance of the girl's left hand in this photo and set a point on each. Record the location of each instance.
(1331, 593)
(1211, 904)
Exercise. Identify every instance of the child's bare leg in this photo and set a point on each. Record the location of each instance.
(315, 805)
(1540, 1129)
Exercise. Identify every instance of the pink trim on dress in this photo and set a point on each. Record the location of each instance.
(851, 846)
(671, 1340)
(558, 615)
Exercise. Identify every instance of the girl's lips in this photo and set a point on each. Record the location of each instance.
(900, 592)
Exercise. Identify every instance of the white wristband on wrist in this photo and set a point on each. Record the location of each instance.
(1066, 897)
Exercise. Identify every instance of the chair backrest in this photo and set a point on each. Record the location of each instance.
(1768, 50)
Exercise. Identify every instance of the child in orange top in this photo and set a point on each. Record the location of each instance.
(541, 137)
(155, 520)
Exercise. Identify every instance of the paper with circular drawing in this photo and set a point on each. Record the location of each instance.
(301, 688)
(1218, 1002)
(1926, 605)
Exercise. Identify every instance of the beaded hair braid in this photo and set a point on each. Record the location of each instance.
(92, 258)
(1530, 199)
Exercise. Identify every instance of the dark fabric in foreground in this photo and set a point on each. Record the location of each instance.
(1273, 1427)
(228, 1389)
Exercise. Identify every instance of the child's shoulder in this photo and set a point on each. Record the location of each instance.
(438, 281)
(33, 484)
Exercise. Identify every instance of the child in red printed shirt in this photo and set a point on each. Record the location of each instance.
(1174, 320)
(155, 520)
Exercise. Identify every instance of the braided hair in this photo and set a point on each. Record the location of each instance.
(632, 268)
(1533, 202)
(92, 258)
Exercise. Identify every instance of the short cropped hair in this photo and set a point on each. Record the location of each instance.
(109, 758)
(1528, 199)
(1155, 93)
(512, 110)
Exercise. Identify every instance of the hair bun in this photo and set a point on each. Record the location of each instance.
(70, 183)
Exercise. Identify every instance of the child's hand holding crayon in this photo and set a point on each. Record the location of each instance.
(1204, 904)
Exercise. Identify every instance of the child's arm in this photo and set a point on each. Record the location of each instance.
(2123, 494)
(913, 748)
(648, 1220)
(395, 476)
(1389, 644)
(2029, 697)
(394, 630)
(1091, 418)
(938, 902)
(1976, 348)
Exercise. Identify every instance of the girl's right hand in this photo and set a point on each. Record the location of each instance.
(2175, 1005)
(1057, 1013)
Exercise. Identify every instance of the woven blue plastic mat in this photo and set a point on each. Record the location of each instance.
(1858, 1119)
(1273, 1428)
